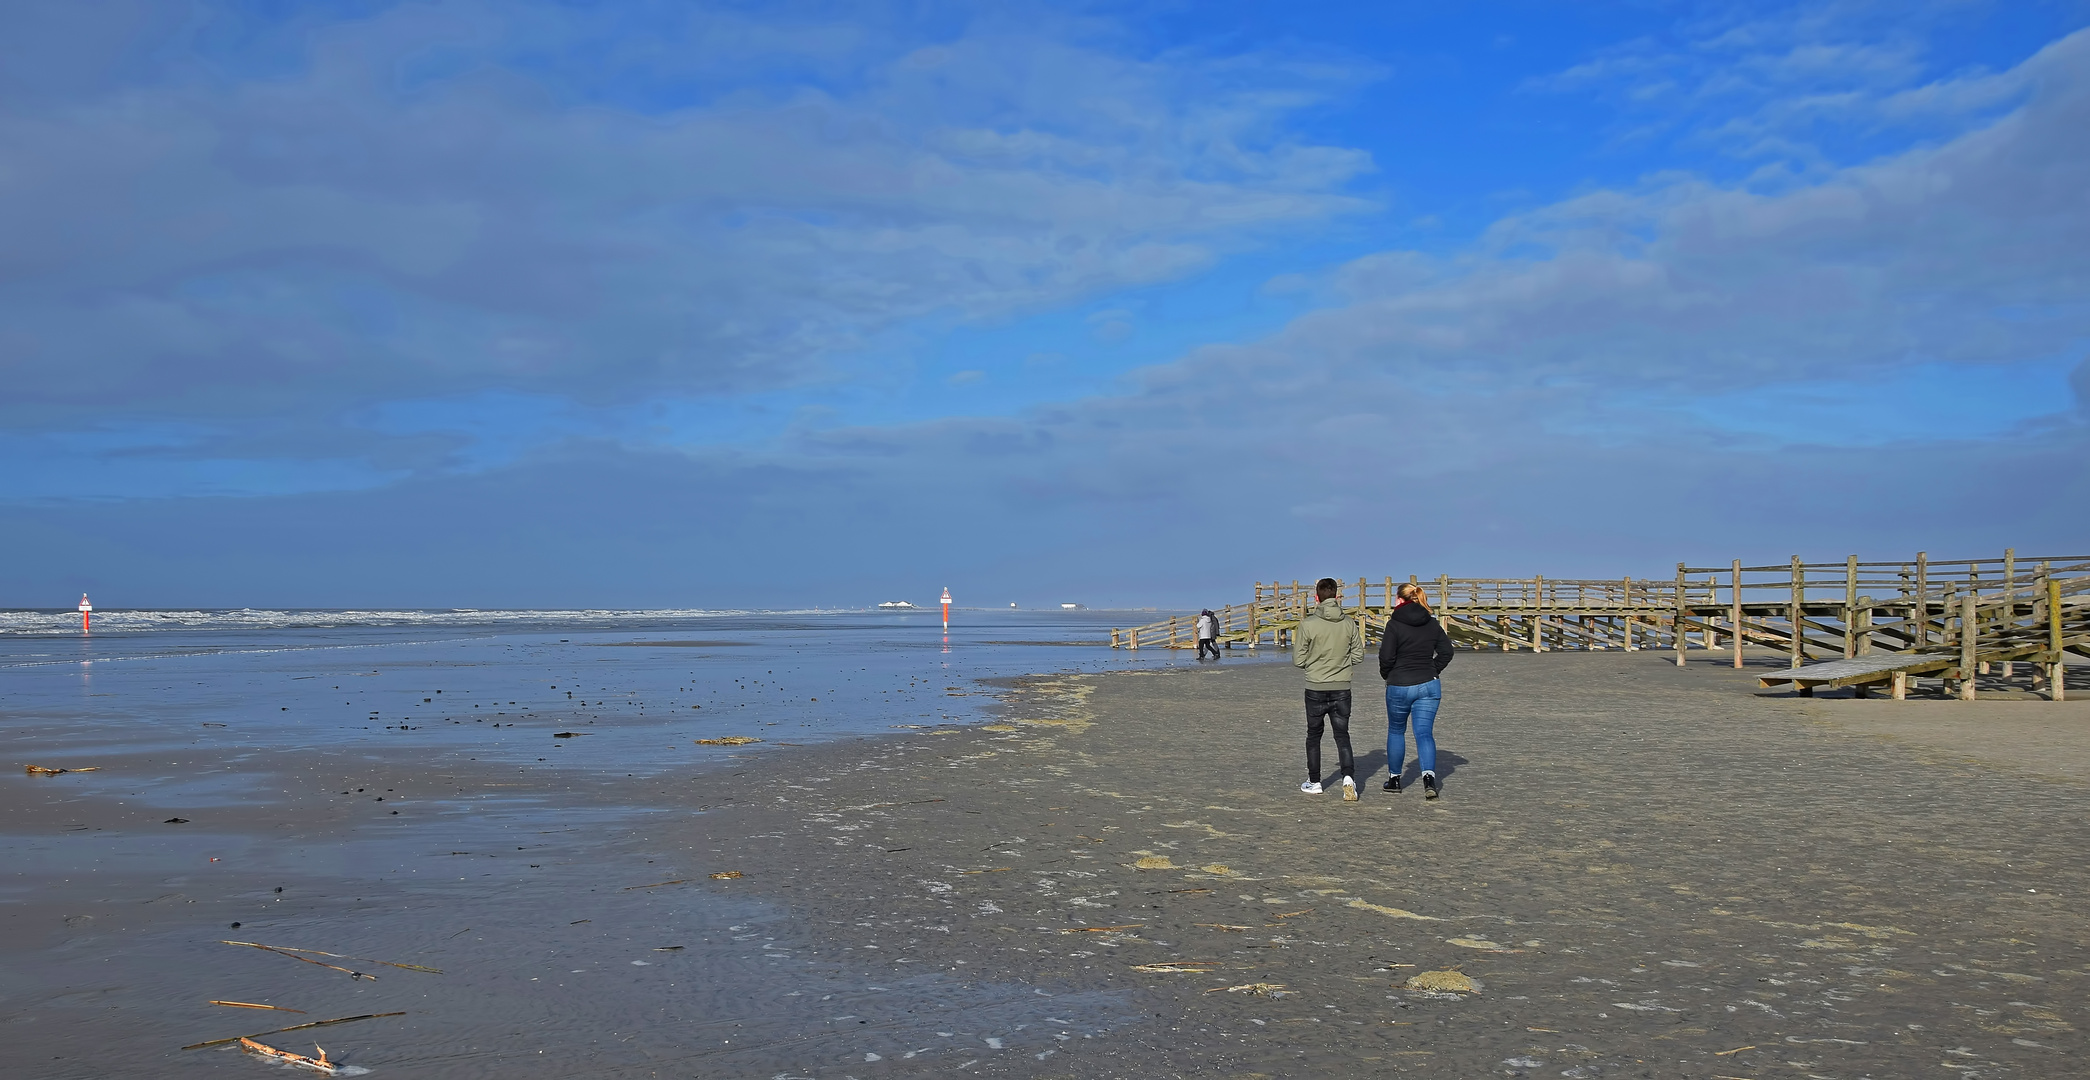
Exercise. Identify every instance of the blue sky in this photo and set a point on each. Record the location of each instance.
(680, 304)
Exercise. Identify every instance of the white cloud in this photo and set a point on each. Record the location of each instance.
(1575, 365)
(411, 206)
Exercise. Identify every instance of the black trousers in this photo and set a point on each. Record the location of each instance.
(1333, 707)
(1204, 643)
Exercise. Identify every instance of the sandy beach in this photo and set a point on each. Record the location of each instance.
(1635, 870)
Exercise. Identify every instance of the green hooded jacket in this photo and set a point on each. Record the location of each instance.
(1327, 645)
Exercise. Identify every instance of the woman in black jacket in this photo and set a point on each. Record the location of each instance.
(1411, 654)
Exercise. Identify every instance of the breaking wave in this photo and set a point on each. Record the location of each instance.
(117, 621)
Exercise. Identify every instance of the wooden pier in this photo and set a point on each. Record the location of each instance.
(1866, 622)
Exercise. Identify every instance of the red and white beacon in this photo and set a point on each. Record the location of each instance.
(86, 612)
(947, 609)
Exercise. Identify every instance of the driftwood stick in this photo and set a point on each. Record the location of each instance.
(293, 1027)
(288, 951)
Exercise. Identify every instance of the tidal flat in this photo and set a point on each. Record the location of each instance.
(1635, 870)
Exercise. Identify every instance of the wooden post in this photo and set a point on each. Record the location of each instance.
(1443, 598)
(1921, 610)
(1901, 686)
(1113, 637)
(1969, 642)
(2057, 676)
(1171, 631)
(1538, 619)
(1850, 607)
(1133, 642)
(1736, 614)
(1679, 617)
(1797, 613)
(2009, 602)
(1626, 598)
(1864, 617)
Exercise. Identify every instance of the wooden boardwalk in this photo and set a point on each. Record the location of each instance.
(1885, 621)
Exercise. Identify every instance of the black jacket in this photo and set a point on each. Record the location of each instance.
(1414, 649)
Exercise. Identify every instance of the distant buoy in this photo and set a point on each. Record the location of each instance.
(947, 609)
(86, 612)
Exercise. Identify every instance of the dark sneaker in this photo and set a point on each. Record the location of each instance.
(1393, 784)
(1429, 785)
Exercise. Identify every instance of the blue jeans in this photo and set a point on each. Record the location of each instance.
(1419, 701)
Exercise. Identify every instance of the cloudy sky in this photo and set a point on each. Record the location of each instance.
(683, 304)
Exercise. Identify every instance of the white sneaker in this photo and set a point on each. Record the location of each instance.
(1349, 789)
(1311, 787)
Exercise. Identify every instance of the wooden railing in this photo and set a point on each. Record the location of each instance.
(1798, 610)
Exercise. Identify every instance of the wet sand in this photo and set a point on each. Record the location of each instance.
(1642, 871)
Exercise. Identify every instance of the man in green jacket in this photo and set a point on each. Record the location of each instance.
(1327, 644)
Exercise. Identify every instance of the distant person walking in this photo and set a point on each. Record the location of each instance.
(1327, 644)
(1207, 633)
(1411, 655)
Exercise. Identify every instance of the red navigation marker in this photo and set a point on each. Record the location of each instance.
(86, 612)
(947, 609)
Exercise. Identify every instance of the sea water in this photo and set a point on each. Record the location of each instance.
(444, 680)
(199, 702)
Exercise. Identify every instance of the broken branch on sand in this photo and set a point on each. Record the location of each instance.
(293, 1027)
(1224, 926)
(318, 1064)
(251, 1005)
(728, 740)
(655, 885)
(1100, 929)
(1166, 966)
(725, 875)
(38, 770)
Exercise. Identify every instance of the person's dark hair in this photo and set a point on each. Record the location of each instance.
(1326, 588)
